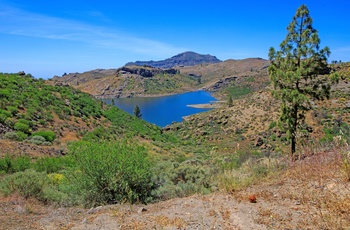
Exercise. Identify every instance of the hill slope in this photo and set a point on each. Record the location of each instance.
(130, 81)
(312, 193)
(31, 107)
(183, 59)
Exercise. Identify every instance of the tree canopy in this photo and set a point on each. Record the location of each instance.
(137, 111)
(298, 71)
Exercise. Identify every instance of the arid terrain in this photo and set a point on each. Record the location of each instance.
(265, 191)
(309, 194)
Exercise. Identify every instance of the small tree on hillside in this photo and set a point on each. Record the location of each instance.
(298, 72)
(230, 101)
(137, 111)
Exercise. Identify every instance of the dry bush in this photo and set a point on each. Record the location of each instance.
(164, 221)
(251, 171)
(321, 185)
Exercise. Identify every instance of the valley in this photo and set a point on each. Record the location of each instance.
(148, 81)
(227, 168)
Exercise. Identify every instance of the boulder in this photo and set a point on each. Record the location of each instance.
(258, 142)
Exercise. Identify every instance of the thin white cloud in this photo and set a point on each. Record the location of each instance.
(18, 22)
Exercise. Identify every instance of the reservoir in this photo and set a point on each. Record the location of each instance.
(164, 110)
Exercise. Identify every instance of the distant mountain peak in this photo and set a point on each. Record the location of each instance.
(188, 58)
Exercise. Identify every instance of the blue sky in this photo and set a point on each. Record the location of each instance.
(47, 38)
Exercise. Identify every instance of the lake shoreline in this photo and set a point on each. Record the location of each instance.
(164, 110)
(211, 105)
(131, 95)
(122, 96)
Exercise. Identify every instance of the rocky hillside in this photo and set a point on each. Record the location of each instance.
(38, 117)
(235, 153)
(182, 59)
(131, 81)
(251, 121)
(217, 75)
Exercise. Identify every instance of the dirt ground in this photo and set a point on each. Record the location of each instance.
(216, 211)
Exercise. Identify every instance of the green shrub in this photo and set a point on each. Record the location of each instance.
(11, 136)
(238, 91)
(47, 134)
(27, 122)
(10, 122)
(27, 184)
(53, 193)
(250, 171)
(12, 109)
(272, 124)
(3, 117)
(5, 93)
(5, 164)
(37, 140)
(15, 136)
(21, 136)
(53, 164)
(10, 164)
(273, 137)
(179, 180)
(111, 173)
(5, 112)
(19, 126)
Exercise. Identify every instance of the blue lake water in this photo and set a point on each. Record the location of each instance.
(162, 111)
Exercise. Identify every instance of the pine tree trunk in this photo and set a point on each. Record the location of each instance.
(295, 123)
(293, 145)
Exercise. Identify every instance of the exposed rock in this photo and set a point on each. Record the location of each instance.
(258, 142)
(279, 133)
(145, 71)
(201, 124)
(347, 105)
(222, 83)
(4, 129)
(195, 75)
(141, 210)
(171, 127)
(94, 210)
(309, 129)
(182, 59)
(204, 133)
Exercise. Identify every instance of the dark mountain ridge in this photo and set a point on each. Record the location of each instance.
(183, 59)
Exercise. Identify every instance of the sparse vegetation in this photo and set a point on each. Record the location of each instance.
(236, 92)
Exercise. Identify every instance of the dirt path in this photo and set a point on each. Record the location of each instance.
(216, 211)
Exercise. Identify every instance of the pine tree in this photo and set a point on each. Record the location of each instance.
(298, 72)
(137, 111)
(230, 101)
